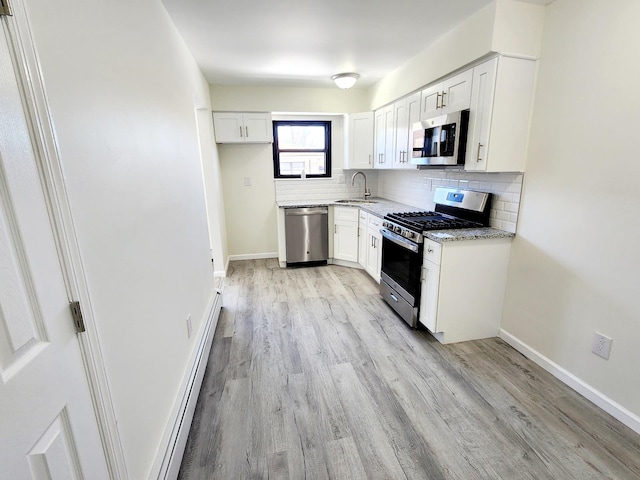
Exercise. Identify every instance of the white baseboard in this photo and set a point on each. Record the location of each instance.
(167, 463)
(252, 256)
(614, 409)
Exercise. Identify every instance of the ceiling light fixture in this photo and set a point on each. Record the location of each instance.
(345, 80)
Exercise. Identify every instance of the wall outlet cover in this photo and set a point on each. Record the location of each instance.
(601, 345)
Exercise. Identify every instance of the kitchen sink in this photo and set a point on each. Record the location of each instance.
(355, 201)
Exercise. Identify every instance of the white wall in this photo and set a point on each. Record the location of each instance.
(288, 99)
(575, 260)
(505, 26)
(212, 178)
(121, 87)
(250, 211)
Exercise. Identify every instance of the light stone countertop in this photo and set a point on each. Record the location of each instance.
(383, 207)
(442, 236)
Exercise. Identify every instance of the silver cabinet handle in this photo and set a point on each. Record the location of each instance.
(240, 131)
(478, 156)
(430, 250)
(335, 229)
(246, 130)
(442, 105)
(393, 296)
(369, 159)
(437, 101)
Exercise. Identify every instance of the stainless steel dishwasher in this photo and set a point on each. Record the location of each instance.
(307, 235)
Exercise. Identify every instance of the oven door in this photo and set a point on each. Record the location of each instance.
(401, 263)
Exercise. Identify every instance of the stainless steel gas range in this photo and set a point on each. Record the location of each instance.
(402, 244)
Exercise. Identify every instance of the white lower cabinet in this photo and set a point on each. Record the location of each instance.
(370, 244)
(362, 238)
(463, 284)
(345, 234)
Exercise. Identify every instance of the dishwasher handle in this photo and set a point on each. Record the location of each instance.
(307, 211)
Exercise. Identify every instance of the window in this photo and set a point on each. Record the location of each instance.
(301, 147)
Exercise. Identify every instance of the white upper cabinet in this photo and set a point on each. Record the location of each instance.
(406, 113)
(243, 127)
(450, 95)
(501, 100)
(360, 141)
(384, 137)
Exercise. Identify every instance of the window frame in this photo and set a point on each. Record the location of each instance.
(326, 150)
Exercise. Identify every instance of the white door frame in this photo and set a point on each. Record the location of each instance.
(46, 151)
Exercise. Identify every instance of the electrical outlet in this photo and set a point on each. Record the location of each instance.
(601, 345)
(189, 326)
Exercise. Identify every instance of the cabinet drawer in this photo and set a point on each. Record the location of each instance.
(432, 251)
(364, 218)
(348, 214)
(374, 222)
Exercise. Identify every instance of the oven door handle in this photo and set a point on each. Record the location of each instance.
(399, 240)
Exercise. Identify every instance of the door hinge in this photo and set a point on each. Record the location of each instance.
(76, 312)
(5, 8)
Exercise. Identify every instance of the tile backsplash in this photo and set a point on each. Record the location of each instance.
(334, 188)
(413, 187)
(416, 188)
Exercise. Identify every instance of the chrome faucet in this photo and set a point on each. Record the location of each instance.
(367, 192)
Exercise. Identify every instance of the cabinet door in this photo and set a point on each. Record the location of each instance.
(429, 296)
(401, 140)
(257, 127)
(431, 98)
(385, 134)
(484, 77)
(345, 241)
(362, 239)
(456, 92)
(413, 116)
(374, 256)
(360, 138)
(228, 127)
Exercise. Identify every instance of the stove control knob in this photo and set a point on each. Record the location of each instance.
(410, 234)
(397, 229)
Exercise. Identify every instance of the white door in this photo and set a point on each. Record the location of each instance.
(48, 428)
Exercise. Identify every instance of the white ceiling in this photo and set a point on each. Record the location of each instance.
(304, 42)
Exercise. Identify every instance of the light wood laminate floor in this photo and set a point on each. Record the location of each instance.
(312, 376)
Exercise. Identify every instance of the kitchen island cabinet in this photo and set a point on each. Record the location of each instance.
(463, 285)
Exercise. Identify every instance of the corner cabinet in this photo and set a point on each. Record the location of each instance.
(472, 270)
(501, 99)
(359, 152)
(243, 127)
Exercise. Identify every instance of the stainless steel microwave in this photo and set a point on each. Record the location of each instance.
(441, 140)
